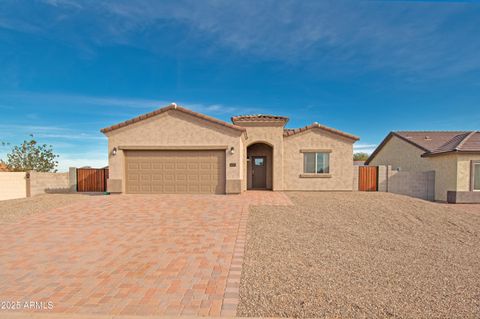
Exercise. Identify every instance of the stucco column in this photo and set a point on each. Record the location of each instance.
(278, 167)
(72, 179)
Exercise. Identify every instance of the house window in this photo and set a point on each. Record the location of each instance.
(476, 176)
(259, 161)
(316, 163)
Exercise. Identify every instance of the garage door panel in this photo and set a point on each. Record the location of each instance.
(168, 177)
(169, 188)
(146, 188)
(180, 177)
(157, 188)
(181, 166)
(157, 178)
(192, 178)
(133, 165)
(175, 171)
(157, 166)
(168, 165)
(132, 177)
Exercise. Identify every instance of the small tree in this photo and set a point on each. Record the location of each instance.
(30, 156)
(360, 156)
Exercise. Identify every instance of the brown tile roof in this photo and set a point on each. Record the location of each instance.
(290, 132)
(170, 107)
(463, 143)
(436, 142)
(259, 118)
(430, 140)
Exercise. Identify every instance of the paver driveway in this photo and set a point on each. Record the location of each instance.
(131, 254)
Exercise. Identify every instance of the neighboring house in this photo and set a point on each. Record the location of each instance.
(454, 156)
(175, 150)
(358, 163)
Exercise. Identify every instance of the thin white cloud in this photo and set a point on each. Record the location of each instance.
(364, 148)
(412, 38)
(72, 136)
(78, 99)
(404, 36)
(30, 128)
(57, 3)
(121, 102)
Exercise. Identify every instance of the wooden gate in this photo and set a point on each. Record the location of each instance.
(368, 178)
(92, 179)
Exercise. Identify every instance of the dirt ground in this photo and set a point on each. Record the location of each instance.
(11, 210)
(361, 255)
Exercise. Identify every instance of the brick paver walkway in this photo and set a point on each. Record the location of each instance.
(131, 255)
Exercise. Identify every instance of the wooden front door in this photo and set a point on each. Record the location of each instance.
(259, 172)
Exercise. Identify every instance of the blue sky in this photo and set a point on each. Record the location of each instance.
(69, 68)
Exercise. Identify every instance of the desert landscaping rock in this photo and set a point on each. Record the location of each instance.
(12, 209)
(361, 255)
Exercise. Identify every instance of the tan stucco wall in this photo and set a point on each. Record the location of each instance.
(401, 154)
(341, 157)
(41, 183)
(272, 134)
(12, 185)
(445, 167)
(175, 128)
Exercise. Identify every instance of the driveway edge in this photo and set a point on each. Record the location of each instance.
(231, 298)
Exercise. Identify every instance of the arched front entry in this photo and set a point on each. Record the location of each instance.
(259, 166)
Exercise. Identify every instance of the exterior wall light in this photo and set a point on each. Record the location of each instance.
(114, 151)
(232, 150)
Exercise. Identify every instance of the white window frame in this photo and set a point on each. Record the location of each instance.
(475, 166)
(316, 162)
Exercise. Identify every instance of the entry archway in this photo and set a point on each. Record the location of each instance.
(259, 166)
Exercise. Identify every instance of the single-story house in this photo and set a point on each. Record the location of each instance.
(453, 155)
(176, 150)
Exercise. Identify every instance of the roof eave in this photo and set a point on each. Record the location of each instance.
(430, 154)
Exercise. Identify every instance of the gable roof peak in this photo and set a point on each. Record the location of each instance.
(288, 132)
(172, 107)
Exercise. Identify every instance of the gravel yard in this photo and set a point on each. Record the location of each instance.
(361, 255)
(11, 210)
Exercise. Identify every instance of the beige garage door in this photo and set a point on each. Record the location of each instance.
(171, 172)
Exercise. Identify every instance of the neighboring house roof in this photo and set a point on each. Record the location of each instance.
(259, 118)
(436, 142)
(468, 142)
(170, 107)
(290, 132)
(4, 168)
(359, 163)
